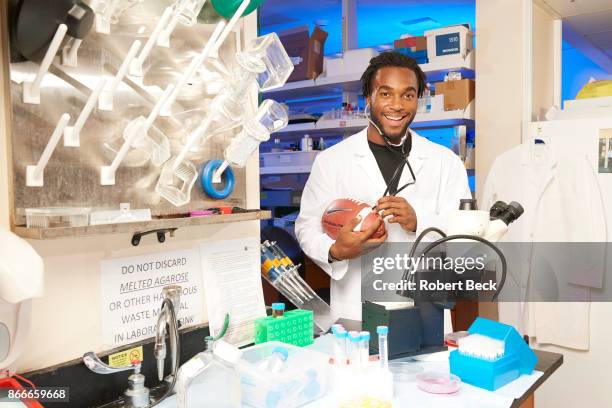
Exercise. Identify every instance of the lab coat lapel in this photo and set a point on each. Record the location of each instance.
(366, 162)
(416, 159)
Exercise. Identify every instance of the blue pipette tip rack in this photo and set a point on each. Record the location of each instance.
(517, 359)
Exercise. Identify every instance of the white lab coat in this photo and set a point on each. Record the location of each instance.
(558, 189)
(349, 170)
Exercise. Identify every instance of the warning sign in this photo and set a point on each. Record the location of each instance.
(132, 293)
(123, 358)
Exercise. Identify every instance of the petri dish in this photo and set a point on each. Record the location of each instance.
(404, 371)
(438, 382)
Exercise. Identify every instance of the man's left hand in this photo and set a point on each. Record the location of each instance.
(400, 211)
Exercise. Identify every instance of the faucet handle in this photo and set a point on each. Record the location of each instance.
(93, 362)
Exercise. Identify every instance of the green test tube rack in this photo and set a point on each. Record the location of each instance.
(295, 327)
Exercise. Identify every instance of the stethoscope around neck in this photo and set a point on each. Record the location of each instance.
(406, 148)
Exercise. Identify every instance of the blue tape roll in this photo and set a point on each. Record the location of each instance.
(208, 170)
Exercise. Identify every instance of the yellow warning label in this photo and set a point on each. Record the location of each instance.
(126, 357)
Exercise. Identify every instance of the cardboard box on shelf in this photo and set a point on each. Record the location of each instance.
(306, 51)
(357, 60)
(457, 94)
(334, 67)
(413, 43)
(437, 103)
(449, 42)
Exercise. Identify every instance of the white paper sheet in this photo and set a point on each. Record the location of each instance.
(132, 293)
(232, 282)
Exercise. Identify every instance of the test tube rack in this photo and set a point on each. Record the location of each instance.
(295, 327)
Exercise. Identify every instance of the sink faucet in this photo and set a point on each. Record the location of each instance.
(167, 318)
(137, 395)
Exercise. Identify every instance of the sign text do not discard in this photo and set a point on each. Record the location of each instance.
(132, 293)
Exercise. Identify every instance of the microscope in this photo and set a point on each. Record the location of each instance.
(419, 328)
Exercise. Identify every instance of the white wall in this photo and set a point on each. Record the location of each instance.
(499, 80)
(543, 85)
(67, 322)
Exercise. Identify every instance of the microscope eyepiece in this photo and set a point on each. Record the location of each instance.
(508, 213)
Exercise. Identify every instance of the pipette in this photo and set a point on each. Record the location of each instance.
(288, 267)
(269, 253)
(272, 272)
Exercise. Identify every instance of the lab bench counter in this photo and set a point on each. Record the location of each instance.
(86, 389)
(548, 363)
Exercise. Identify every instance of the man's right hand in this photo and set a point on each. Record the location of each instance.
(351, 244)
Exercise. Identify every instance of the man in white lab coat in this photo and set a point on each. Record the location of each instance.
(424, 180)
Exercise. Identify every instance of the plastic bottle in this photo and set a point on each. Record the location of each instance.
(277, 146)
(427, 95)
(276, 361)
(278, 310)
(383, 346)
(322, 144)
(207, 373)
(306, 143)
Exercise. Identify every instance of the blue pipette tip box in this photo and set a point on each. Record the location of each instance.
(518, 358)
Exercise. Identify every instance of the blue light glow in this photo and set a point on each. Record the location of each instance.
(576, 71)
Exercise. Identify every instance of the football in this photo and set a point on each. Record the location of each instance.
(341, 211)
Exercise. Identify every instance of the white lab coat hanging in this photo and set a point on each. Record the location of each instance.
(349, 170)
(561, 198)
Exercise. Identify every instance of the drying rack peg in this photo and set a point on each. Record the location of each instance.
(31, 89)
(35, 174)
(72, 134)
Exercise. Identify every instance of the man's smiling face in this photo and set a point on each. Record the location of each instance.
(393, 102)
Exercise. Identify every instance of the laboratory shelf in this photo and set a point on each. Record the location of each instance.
(351, 82)
(297, 128)
(285, 170)
(330, 127)
(316, 88)
(133, 227)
